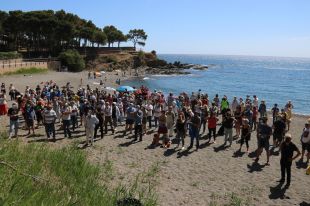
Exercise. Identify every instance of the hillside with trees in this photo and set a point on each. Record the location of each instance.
(52, 32)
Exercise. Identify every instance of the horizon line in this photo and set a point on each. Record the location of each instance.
(244, 55)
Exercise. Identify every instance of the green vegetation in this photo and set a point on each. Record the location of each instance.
(33, 174)
(55, 31)
(9, 55)
(137, 36)
(73, 60)
(27, 71)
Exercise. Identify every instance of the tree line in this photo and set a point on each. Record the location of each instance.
(55, 31)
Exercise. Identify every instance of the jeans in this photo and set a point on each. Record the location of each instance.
(66, 125)
(156, 121)
(108, 119)
(149, 118)
(13, 124)
(228, 134)
(194, 134)
(286, 167)
(74, 122)
(99, 125)
(138, 131)
(181, 137)
(50, 130)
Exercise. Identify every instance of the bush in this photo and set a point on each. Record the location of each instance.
(73, 60)
(9, 55)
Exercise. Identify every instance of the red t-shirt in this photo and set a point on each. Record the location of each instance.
(212, 122)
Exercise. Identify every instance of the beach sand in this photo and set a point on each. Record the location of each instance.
(210, 176)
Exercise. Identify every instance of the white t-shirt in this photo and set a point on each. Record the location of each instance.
(149, 109)
(306, 136)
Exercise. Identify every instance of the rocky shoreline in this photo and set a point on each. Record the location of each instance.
(176, 68)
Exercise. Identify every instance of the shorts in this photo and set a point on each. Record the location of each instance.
(263, 143)
(278, 137)
(305, 146)
(162, 130)
(130, 121)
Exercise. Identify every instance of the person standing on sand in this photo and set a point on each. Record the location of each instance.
(275, 112)
(255, 101)
(157, 113)
(180, 128)
(100, 117)
(238, 120)
(149, 109)
(278, 131)
(130, 118)
(90, 123)
(228, 123)
(13, 114)
(170, 121)
(305, 142)
(262, 109)
(194, 126)
(264, 133)
(49, 118)
(212, 120)
(108, 117)
(138, 124)
(66, 119)
(29, 116)
(287, 149)
(234, 105)
(245, 133)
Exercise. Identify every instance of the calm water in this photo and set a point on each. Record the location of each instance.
(274, 79)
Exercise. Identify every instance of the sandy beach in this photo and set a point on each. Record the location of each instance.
(210, 176)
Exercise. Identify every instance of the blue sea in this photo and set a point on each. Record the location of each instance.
(274, 79)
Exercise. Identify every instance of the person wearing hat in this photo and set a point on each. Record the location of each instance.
(13, 114)
(287, 149)
(49, 118)
(305, 142)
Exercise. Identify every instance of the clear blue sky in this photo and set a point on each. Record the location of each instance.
(231, 27)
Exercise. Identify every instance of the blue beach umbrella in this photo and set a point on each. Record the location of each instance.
(125, 89)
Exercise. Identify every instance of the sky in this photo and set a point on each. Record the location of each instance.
(225, 27)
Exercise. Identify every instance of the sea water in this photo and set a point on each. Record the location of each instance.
(274, 79)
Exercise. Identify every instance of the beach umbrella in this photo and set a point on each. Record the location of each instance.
(102, 72)
(125, 89)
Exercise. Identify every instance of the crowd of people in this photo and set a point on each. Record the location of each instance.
(197, 114)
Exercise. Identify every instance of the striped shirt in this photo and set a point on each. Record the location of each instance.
(49, 116)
